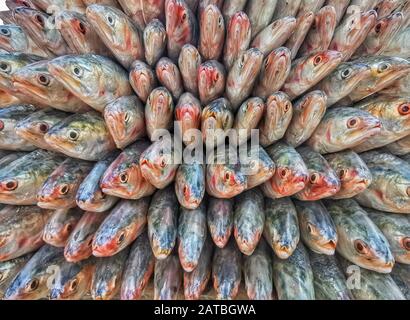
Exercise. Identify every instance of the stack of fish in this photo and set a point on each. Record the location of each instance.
(91, 203)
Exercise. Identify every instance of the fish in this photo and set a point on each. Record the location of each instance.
(275, 69)
(359, 240)
(21, 230)
(226, 271)
(159, 164)
(21, 179)
(167, 278)
(41, 28)
(344, 128)
(196, 281)
(143, 12)
(230, 7)
(216, 120)
(291, 175)
(192, 232)
(33, 127)
(340, 6)
(190, 184)
(8, 100)
(33, 281)
(242, 76)
(238, 38)
(9, 118)
(118, 32)
(47, 5)
(328, 279)
(14, 39)
(248, 117)
(155, 41)
(83, 136)
(281, 228)
(397, 88)
(398, 45)
(352, 32)
(96, 80)
(159, 111)
(400, 276)
(260, 14)
(60, 225)
(257, 269)
(212, 33)
(89, 195)
(399, 147)
(308, 112)
(389, 190)
(79, 244)
(259, 168)
(220, 220)
(181, 27)
(286, 8)
(321, 33)
(274, 35)
(373, 285)
(8, 157)
(202, 5)
(224, 178)
(12, 4)
(111, 3)
(303, 23)
(276, 119)
(323, 181)
(9, 269)
(317, 229)
(189, 61)
(121, 227)
(293, 277)
(311, 5)
(163, 223)
(123, 177)
(142, 79)
(7, 16)
(61, 186)
(365, 5)
(248, 220)
(138, 269)
(124, 118)
(354, 175)
(342, 81)
(308, 71)
(107, 278)
(73, 280)
(211, 81)
(386, 7)
(169, 76)
(393, 114)
(187, 113)
(79, 33)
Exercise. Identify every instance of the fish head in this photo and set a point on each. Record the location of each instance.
(189, 184)
(104, 290)
(12, 4)
(59, 227)
(35, 126)
(178, 19)
(166, 70)
(12, 38)
(111, 238)
(321, 184)
(160, 100)
(189, 58)
(248, 65)
(239, 26)
(38, 22)
(27, 287)
(226, 180)
(212, 19)
(386, 69)
(10, 63)
(319, 64)
(79, 244)
(188, 111)
(387, 27)
(210, 74)
(276, 65)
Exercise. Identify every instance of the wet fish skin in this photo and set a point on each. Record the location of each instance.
(308, 111)
(400, 276)
(188, 112)
(21, 179)
(344, 128)
(189, 61)
(311, 5)
(398, 46)
(89, 75)
(143, 12)
(89, 195)
(8, 157)
(220, 220)
(400, 147)
(317, 229)
(8, 100)
(248, 117)
(360, 241)
(125, 120)
(169, 76)
(387, 7)
(121, 227)
(303, 24)
(61, 186)
(230, 7)
(291, 173)
(260, 168)
(396, 228)
(9, 269)
(212, 33)
(328, 278)
(21, 230)
(60, 225)
(190, 184)
(340, 7)
(72, 5)
(163, 223)
(79, 244)
(108, 275)
(226, 271)
(260, 14)
(281, 229)
(285, 8)
(155, 41)
(352, 171)
(142, 79)
(167, 278)
(211, 81)
(293, 277)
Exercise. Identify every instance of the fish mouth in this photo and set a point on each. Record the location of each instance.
(283, 251)
(56, 294)
(60, 73)
(220, 241)
(328, 247)
(24, 86)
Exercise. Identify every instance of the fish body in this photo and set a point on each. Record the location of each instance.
(212, 33)
(9, 269)
(248, 117)
(167, 278)
(260, 14)
(220, 220)
(190, 185)
(303, 24)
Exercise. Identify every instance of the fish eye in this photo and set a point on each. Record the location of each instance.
(74, 284)
(1, 276)
(32, 285)
(227, 176)
(110, 20)
(43, 127)
(77, 71)
(123, 177)
(185, 190)
(43, 79)
(183, 17)
(360, 247)
(220, 22)
(283, 172)
(406, 244)
(342, 173)
(1, 125)
(11, 185)
(351, 123)
(346, 73)
(404, 109)
(82, 28)
(286, 107)
(127, 117)
(317, 60)
(378, 28)
(216, 76)
(383, 67)
(5, 31)
(73, 135)
(121, 238)
(64, 189)
(39, 19)
(69, 228)
(314, 177)
(163, 163)
(5, 67)
(25, 4)
(310, 228)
